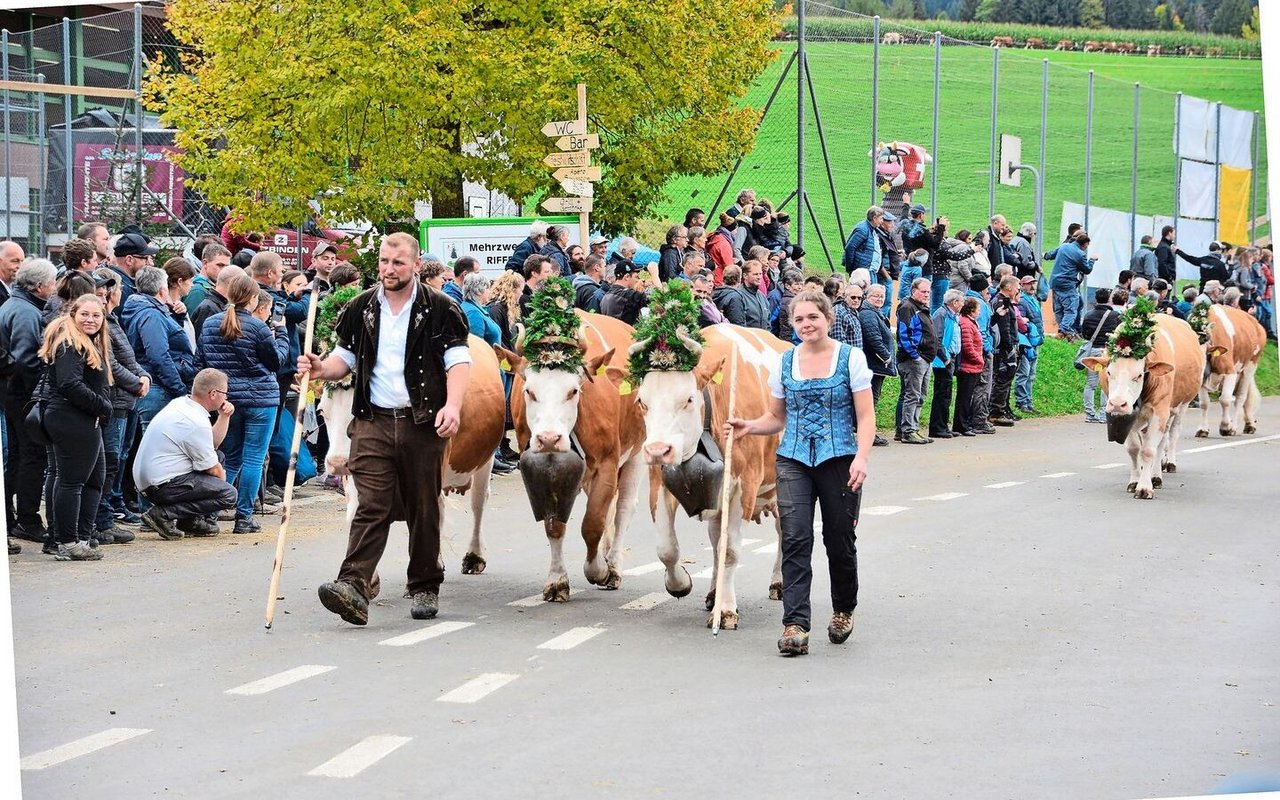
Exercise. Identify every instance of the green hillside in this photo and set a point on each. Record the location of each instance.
(841, 75)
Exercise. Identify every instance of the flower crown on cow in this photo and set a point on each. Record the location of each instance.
(550, 338)
(668, 337)
(326, 334)
(1136, 334)
(1198, 319)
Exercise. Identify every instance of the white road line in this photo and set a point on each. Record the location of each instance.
(768, 549)
(477, 688)
(646, 602)
(528, 602)
(1058, 475)
(359, 757)
(1241, 443)
(644, 569)
(884, 511)
(280, 679)
(703, 573)
(749, 542)
(423, 634)
(1113, 465)
(1005, 484)
(571, 639)
(945, 496)
(81, 747)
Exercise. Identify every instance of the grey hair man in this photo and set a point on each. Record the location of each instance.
(671, 254)
(11, 256)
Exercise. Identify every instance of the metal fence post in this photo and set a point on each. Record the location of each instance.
(8, 150)
(1044, 133)
(37, 219)
(1133, 169)
(69, 157)
(1088, 152)
(875, 99)
(801, 68)
(1177, 155)
(1253, 191)
(937, 74)
(141, 174)
(1217, 171)
(995, 107)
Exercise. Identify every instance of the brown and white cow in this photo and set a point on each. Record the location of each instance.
(553, 407)
(1149, 397)
(674, 415)
(468, 457)
(1235, 345)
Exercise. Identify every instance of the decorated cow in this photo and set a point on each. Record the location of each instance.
(1233, 343)
(899, 170)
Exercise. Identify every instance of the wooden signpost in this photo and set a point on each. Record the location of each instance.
(573, 166)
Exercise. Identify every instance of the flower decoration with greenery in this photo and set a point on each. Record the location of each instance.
(1135, 335)
(331, 306)
(551, 328)
(1198, 319)
(672, 320)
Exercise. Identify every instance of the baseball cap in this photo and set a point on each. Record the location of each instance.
(626, 267)
(104, 277)
(598, 239)
(918, 208)
(889, 217)
(1027, 279)
(322, 246)
(134, 244)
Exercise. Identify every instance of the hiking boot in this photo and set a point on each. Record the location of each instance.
(274, 494)
(914, 437)
(985, 429)
(425, 605)
(507, 454)
(342, 599)
(968, 433)
(1003, 422)
(14, 548)
(127, 517)
(77, 551)
(29, 532)
(120, 535)
(246, 525)
(840, 628)
(161, 524)
(265, 509)
(880, 441)
(50, 548)
(942, 434)
(795, 640)
(102, 537)
(897, 436)
(203, 526)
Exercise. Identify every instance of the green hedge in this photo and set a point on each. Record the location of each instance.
(983, 32)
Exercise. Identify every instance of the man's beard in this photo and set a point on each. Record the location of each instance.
(393, 283)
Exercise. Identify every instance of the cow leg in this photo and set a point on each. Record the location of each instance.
(556, 589)
(1249, 385)
(729, 603)
(602, 493)
(629, 481)
(1227, 426)
(677, 581)
(1169, 461)
(473, 562)
(775, 580)
(1151, 436)
(1132, 446)
(1203, 431)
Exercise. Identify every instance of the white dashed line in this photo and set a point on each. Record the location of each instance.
(81, 747)
(644, 569)
(423, 634)
(477, 688)
(646, 602)
(768, 549)
(884, 511)
(1005, 484)
(571, 639)
(1242, 443)
(1109, 466)
(281, 679)
(528, 602)
(1058, 475)
(749, 542)
(361, 756)
(703, 573)
(945, 496)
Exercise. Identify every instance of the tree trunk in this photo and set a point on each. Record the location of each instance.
(447, 201)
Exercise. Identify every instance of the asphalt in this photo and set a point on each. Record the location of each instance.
(1051, 637)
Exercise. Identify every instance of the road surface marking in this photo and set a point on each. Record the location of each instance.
(359, 757)
(477, 688)
(423, 634)
(571, 639)
(768, 549)
(644, 569)
(1208, 447)
(1005, 484)
(1058, 475)
(945, 496)
(280, 679)
(749, 542)
(81, 747)
(884, 511)
(646, 602)
(528, 602)
(1109, 466)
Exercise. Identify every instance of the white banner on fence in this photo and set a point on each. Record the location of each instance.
(1109, 239)
(1197, 133)
(1197, 190)
(1237, 138)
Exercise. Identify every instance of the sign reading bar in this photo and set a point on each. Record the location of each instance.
(567, 205)
(578, 159)
(577, 174)
(587, 141)
(565, 127)
(580, 188)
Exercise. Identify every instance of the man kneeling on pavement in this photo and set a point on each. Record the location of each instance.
(177, 468)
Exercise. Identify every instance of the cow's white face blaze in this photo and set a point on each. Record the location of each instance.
(1124, 384)
(673, 410)
(551, 408)
(335, 407)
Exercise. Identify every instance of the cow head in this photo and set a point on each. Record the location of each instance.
(674, 409)
(551, 398)
(1123, 379)
(335, 407)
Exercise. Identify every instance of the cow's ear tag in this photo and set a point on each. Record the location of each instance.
(603, 371)
(505, 366)
(624, 388)
(718, 378)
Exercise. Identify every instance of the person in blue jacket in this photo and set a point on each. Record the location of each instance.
(862, 250)
(159, 342)
(1029, 305)
(1071, 262)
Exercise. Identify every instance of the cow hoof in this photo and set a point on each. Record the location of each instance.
(557, 592)
(1226, 431)
(1133, 485)
(613, 580)
(1157, 482)
(1169, 466)
(1202, 434)
(1144, 494)
(728, 620)
(680, 590)
(775, 590)
(1249, 427)
(711, 600)
(473, 564)
(375, 586)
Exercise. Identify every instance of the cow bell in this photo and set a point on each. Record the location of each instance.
(695, 483)
(552, 481)
(1119, 425)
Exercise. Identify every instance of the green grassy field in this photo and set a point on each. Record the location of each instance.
(841, 75)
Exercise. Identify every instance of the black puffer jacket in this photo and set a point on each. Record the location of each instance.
(76, 387)
(125, 370)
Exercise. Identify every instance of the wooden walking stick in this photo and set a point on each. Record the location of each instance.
(285, 514)
(726, 487)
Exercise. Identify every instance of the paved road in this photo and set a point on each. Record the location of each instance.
(1025, 629)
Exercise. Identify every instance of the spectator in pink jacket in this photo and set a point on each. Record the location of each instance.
(969, 368)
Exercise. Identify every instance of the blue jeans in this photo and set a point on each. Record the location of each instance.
(887, 283)
(245, 451)
(1025, 378)
(908, 274)
(1066, 310)
(113, 450)
(937, 290)
(116, 497)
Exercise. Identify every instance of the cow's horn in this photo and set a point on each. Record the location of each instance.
(689, 343)
(521, 330)
(640, 345)
(582, 338)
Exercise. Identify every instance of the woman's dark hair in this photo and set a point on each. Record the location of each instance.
(73, 284)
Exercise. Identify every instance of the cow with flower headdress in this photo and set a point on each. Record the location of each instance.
(679, 378)
(1233, 342)
(575, 431)
(1151, 369)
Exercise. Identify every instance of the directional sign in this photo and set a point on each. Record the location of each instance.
(565, 127)
(580, 188)
(578, 159)
(567, 205)
(577, 173)
(588, 141)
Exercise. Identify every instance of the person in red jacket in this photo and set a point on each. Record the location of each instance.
(720, 247)
(969, 369)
